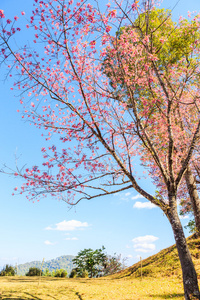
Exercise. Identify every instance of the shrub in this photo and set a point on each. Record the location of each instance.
(60, 273)
(33, 271)
(73, 274)
(8, 270)
(83, 274)
(47, 273)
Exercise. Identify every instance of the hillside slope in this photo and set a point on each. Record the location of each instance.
(61, 262)
(165, 263)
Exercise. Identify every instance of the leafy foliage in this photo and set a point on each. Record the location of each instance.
(73, 274)
(95, 263)
(173, 44)
(59, 273)
(33, 271)
(47, 273)
(90, 261)
(113, 264)
(8, 270)
(191, 226)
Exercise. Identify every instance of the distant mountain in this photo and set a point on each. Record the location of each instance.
(61, 262)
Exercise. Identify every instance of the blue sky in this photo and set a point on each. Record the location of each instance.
(124, 223)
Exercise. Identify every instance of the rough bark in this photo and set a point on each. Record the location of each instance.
(190, 282)
(195, 200)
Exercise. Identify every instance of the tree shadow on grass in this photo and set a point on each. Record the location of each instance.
(53, 296)
(77, 294)
(19, 280)
(167, 296)
(28, 297)
(33, 279)
(34, 297)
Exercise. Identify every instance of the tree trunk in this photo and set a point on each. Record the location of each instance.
(195, 200)
(190, 283)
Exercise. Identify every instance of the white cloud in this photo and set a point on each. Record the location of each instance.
(145, 239)
(148, 205)
(144, 246)
(184, 217)
(116, 194)
(144, 243)
(72, 239)
(129, 256)
(127, 194)
(49, 243)
(143, 250)
(69, 225)
(138, 196)
(8, 258)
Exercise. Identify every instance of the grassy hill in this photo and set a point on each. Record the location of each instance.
(62, 262)
(163, 264)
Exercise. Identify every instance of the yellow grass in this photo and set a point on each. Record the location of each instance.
(162, 279)
(25, 288)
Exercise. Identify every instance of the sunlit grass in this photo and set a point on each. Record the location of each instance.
(17, 288)
(162, 279)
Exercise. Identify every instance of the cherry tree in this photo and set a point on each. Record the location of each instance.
(88, 86)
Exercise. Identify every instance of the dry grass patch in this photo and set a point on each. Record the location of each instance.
(18, 288)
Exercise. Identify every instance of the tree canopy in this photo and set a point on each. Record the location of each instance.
(8, 270)
(90, 260)
(171, 42)
(97, 263)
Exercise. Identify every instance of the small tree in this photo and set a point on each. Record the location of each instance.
(33, 271)
(60, 273)
(47, 273)
(113, 264)
(83, 274)
(90, 261)
(73, 274)
(8, 270)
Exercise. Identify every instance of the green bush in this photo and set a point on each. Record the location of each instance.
(84, 274)
(73, 274)
(33, 271)
(60, 273)
(8, 270)
(47, 273)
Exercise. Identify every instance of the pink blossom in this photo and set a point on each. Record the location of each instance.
(108, 28)
(2, 14)
(80, 19)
